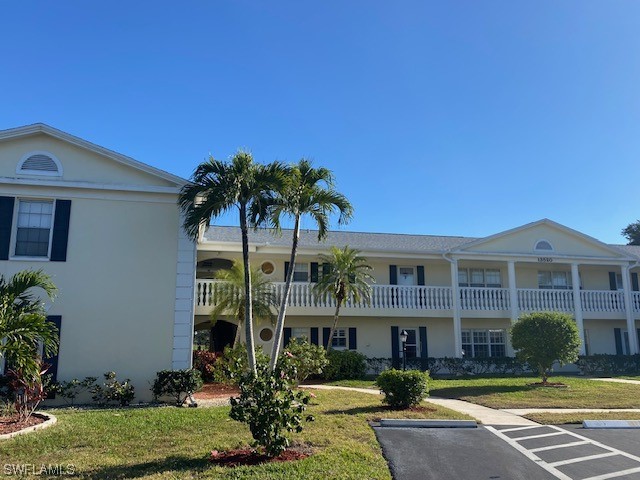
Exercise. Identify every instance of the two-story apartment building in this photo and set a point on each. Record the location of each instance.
(454, 296)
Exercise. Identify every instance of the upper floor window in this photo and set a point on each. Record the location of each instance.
(39, 163)
(543, 245)
(301, 272)
(479, 277)
(33, 232)
(554, 280)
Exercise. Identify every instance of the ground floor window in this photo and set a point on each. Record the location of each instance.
(484, 343)
(339, 338)
(299, 332)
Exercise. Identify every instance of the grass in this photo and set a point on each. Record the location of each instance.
(565, 418)
(168, 442)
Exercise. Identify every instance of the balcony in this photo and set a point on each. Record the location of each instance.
(420, 301)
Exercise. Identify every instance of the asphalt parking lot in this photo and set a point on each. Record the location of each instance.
(508, 452)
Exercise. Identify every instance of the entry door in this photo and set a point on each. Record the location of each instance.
(412, 342)
(405, 276)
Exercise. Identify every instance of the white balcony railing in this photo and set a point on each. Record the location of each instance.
(397, 297)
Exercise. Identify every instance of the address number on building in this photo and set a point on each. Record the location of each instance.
(545, 260)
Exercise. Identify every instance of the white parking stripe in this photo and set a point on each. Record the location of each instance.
(553, 447)
(583, 459)
(542, 435)
(598, 444)
(515, 429)
(527, 453)
(614, 474)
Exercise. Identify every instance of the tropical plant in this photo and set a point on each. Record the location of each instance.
(309, 359)
(346, 279)
(218, 187)
(308, 191)
(178, 384)
(28, 388)
(632, 233)
(543, 338)
(23, 321)
(230, 296)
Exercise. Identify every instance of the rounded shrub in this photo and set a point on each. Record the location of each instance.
(403, 389)
(345, 365)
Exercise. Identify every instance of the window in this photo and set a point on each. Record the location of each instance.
(299, 332)
(339, 338)
(484, 343)
(266, 334)
(33, 232)
(267, 268)
(543, 245)
(479, 277)
(554, 280)
(619, 284)
(301, 272)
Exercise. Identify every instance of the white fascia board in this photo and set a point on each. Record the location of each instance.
(79, 142)
(89, 185)
(528, 258)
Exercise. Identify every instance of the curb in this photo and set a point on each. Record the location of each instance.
(419, 423)
(50, 420)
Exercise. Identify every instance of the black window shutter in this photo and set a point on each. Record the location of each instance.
(393, 274)
(420, 269)
(424, 351)
(395, 347)
(613, 284)
(53, 360)
(617, 333)
(353, 343)
(638, 335)
(60, 231)
(634, 281)
(286, 336)
(6, 218)
(314, 272)
(325, 336)
(314, 335)
(286, 270)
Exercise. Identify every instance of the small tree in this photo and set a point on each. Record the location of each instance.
(542, 338)
(632, 233)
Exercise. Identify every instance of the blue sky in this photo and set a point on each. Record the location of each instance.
(457, 117)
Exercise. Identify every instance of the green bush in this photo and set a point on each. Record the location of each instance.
(205, 362)
(113, 391)
(178, 384)
(308, 359)
(604, 364)
(403, 389)
(69, 390)
(269, 405)
(233, 363)
(345, 365)
(543, 338)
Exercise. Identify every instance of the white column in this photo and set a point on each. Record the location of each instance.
(513, 291)
(455, 306)
(577, 304)
(628, 310)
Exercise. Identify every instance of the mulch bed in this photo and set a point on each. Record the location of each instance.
(212, 391)
(247, 456)
(12, 424)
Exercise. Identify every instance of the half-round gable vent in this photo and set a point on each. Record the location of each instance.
(543, 245)
(40, 163)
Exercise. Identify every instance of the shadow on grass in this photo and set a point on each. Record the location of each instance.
(358, 410)
(477, 391)
(178, 464)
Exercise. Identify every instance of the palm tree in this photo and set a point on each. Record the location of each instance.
(23, 322)
(217, 187)
(348, 278)
(229, 296)
(307, 191)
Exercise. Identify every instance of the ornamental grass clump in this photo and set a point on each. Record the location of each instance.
(403, 389)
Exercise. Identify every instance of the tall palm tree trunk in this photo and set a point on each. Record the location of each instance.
(335, 324)
(248, 311)
(277, 339)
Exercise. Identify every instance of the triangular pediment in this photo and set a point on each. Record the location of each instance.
(78, 160)
(542, 238)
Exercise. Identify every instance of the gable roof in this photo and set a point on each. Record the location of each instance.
(550, 223)
(36, 128)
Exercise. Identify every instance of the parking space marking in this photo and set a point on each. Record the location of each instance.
(563, 445)
(581, 440)
(614, 474)
(583, 459)
(515, 429)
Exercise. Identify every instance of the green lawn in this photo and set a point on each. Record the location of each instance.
(168, 442)
(513, 392)
(564, 418)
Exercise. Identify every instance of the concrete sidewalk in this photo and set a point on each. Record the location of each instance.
(486, 415)
(527, 411)
(616, 380)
